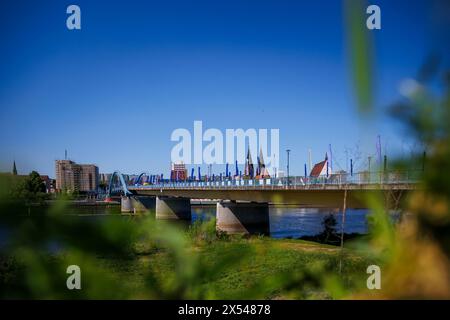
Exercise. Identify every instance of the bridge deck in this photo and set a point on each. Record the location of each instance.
(326, 195)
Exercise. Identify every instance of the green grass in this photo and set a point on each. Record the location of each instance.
(264, 259)
(148, 259)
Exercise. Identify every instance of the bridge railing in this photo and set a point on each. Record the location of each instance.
(339, 179)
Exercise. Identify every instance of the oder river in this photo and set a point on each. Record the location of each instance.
(292, 222)
(285, 222)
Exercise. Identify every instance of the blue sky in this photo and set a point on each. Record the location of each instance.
(112, 92)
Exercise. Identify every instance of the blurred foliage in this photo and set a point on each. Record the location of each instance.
(139, 257)
(415, 252)
(360, 53)
(419, 264)
(125, 257)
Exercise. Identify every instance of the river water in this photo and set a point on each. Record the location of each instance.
(285, 222)
(294, 222)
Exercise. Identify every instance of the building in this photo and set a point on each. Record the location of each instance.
(73, 177)
(261, 171)
(46, 180)
(14, 168)
(249, 168)
(178, 172)
(49, 183)
(321, 169)
(104, 178)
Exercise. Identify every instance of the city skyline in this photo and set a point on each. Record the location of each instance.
(112, 92)
(225, 156)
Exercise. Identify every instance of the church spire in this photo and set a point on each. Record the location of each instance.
(14, 168)
(261, 163)
(262, 170)
(249, 165)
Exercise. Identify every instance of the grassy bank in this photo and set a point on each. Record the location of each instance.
(141, 258)
(258, 267)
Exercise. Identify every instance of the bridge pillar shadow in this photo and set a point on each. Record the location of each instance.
(171, 208)
(136, 204)
(126, 204)
(243, 217)
(143, 204)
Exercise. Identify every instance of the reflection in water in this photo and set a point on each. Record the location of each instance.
(296, 222)
(284, 221)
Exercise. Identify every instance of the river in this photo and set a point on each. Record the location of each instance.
(294, 222)
(285, 222)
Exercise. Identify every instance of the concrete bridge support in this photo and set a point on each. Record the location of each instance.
(143, 204)
(126, 205)
(171, 208)
(243, 217)
(136, 204)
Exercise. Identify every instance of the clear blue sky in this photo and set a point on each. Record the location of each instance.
(112, 92)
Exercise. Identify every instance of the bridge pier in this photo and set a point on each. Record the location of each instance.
(136, 204)
(243, 217)
(143, 204)
(126, 205)
(171, 208)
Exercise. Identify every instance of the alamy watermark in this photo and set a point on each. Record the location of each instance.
(73, 22)
(212, 146)
(74, 280)
(374, 280)
(374, 20)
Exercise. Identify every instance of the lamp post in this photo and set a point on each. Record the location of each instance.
(288, 151)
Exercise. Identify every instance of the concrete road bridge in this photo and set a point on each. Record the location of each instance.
(243, 204)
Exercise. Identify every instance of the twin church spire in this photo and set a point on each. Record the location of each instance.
(261, 170)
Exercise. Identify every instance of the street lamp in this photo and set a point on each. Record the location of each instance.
(288, 151)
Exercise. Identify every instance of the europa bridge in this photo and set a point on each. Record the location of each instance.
(242, 204)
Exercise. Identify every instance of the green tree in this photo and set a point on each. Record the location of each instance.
(103, 186)
(30, 189)
(329, 228)
(34, 183)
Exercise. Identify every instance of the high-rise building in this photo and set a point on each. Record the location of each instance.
(178, 172)
(71, 176)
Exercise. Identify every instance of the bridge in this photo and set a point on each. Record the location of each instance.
(243, 204)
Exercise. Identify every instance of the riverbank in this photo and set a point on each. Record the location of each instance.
(231, 268)
(138, 257)
(265, 268)
(84, 203)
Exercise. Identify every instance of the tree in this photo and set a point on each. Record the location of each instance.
(329, 228)
(103, 186)
(30, 189)
(34, 183)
